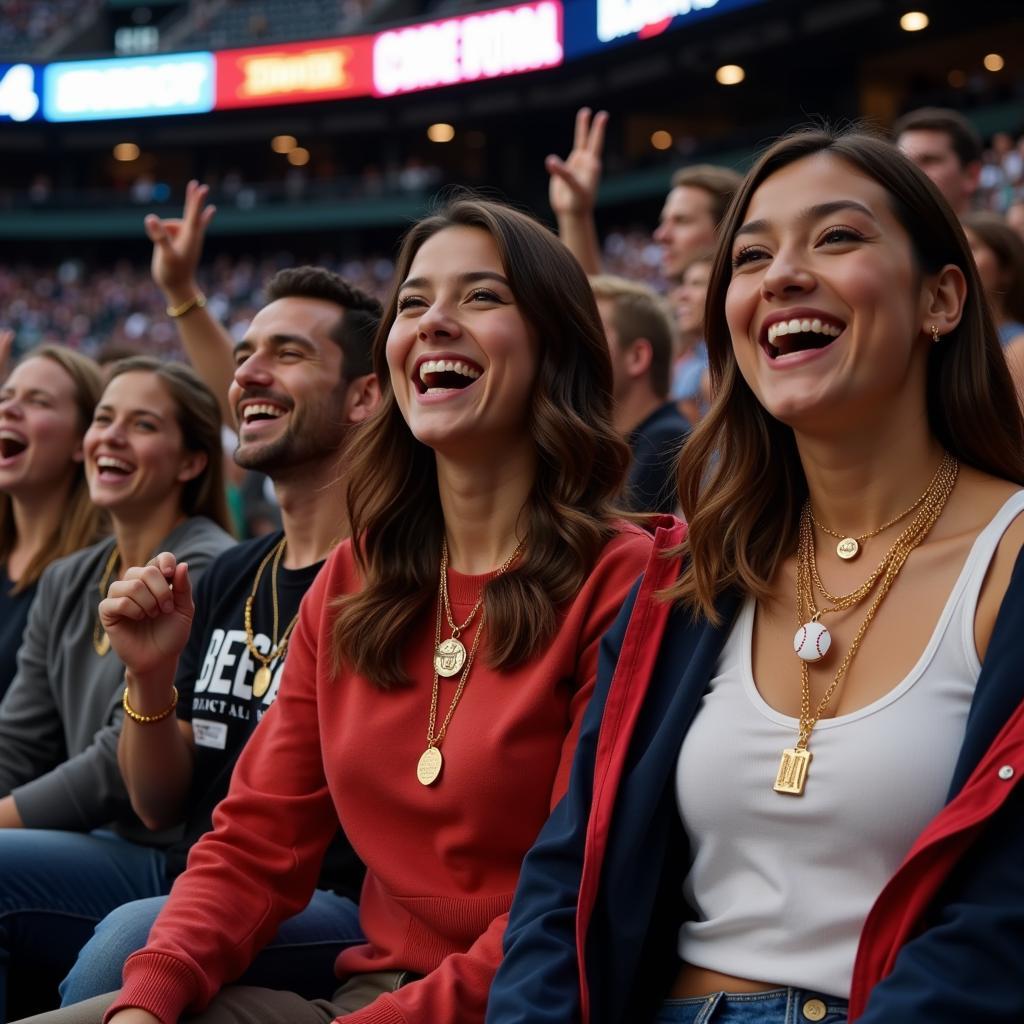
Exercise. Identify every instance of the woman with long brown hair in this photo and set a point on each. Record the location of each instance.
(767, 826)
(46, 405)
(442, 660)
(152, 456)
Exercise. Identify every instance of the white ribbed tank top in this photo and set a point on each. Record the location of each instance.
(781, 885)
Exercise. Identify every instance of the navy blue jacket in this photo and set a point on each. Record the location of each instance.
(944, 944)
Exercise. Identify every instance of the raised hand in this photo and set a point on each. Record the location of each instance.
(148, 616)
(572, 190)
(178, 244)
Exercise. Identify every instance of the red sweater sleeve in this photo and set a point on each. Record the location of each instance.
(456, 991)
(269, 837)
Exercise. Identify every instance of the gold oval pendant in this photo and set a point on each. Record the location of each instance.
(429, 766)
(847, 548)
(103, 645)
(261, 681)
(449, 657)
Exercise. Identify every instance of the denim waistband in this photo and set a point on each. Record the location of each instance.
(776, 1006)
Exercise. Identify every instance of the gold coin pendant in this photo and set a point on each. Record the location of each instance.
(847, 548)
(429, 766)
(449, 657)
(103, 645)
(261, 681)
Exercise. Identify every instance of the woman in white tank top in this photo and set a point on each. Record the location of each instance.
(857, 480)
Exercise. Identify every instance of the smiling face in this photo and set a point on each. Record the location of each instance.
(135, 456)
(462, 357)
(686, 226)
(289, 390)
(825, 306)
(40, 433)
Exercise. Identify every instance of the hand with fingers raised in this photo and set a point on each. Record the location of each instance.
(572, 190)
(178, 245)
(148, 616)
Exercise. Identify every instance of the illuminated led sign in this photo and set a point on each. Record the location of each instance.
(91, 90)
(19, 92)
(490, 44)
(295, 73)
(643, 18)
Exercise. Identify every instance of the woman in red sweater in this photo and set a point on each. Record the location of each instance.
(439, 669)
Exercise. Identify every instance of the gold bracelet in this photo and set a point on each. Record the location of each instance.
(198, 301)
(148, 719)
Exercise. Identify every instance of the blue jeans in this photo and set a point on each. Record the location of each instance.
(300, 958)
(54, 887)
(777, 1006)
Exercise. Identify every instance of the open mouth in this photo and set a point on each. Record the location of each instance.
(799, 334)
(259, 412)
(435, 376)
(110, 468)
(11, 445)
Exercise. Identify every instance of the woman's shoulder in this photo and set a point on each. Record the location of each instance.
(68, 572)
(201, 535)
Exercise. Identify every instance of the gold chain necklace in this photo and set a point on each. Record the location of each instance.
(795, 761)
(849, 547)
(450, 655)
(429, 766)
(261, 681)
(100, 640)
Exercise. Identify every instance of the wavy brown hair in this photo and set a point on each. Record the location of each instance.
(393, 503)
(741, 483)
(82, 523)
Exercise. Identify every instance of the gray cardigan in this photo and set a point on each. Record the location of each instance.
(60, 719)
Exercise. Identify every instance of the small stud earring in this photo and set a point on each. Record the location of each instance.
(935, 335)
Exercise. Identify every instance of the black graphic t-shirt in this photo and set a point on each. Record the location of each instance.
(215, 687)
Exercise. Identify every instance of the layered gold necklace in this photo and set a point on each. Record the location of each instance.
(278, 648)
(450, 658)
(813, 641)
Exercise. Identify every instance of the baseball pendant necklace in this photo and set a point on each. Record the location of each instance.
(791, 776)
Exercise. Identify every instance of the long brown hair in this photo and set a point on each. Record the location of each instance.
(199, 420)
(82, 522)
(741, 483)
(393, 503)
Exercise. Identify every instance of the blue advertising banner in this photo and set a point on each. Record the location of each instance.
(94, 90)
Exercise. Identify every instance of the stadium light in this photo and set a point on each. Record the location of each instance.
(441, 132)
(298, 157)
(126, 152)
(661, 140)
(730, 74)
(913, 21)
(283, 143)
(994, 62)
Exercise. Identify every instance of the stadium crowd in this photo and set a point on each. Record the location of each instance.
(216, 796)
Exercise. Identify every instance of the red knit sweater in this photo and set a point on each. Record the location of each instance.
(442, 862)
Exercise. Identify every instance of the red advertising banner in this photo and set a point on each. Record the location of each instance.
(295, 72)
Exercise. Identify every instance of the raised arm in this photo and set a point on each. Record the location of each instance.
(177, 247)
(148, 617)
(572, 191)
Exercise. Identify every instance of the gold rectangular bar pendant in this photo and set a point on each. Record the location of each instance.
(792, 771)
